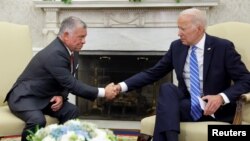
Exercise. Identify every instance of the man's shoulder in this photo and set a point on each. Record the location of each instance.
(222, 43)
(54, 43)
(52, 51)
(177, 43)
(217, 39)
(55, 46)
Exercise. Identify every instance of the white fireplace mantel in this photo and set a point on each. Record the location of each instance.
(122, 4)
(120, 24)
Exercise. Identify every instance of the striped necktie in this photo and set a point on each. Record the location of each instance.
(195, 91)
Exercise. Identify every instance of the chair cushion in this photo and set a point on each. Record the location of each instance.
(13, 125)
(190, 131)
(196, 131)
(147, 125)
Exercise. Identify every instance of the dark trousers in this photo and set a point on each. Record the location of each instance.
(36, 118)
(173, 106)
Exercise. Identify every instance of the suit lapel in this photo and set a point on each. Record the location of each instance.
(183, 55)
(208, 52)
(75, 61)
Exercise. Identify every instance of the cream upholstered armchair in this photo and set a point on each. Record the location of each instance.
(16, 51)
(239, 34)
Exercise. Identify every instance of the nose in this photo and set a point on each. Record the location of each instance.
(83, 41)
(179, 32)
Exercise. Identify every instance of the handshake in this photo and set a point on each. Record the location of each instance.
(112, 90)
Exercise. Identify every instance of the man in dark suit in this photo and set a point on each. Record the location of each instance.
(217, 64)
(44, 85)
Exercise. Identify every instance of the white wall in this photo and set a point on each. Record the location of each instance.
(231, 10)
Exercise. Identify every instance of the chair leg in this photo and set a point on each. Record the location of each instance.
(144, 137)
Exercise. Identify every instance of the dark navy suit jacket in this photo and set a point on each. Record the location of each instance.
(222, 65)
(47, 75)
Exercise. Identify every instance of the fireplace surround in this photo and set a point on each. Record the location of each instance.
(99, 69)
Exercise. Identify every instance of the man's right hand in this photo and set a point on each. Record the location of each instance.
(110, 91)
(118, 88)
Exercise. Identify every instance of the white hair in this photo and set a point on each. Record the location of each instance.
(70, 23)
(198, 16)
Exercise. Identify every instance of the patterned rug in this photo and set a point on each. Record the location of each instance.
(126, 134)
(119, 137)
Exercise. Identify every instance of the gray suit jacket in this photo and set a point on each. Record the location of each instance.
(47, 75)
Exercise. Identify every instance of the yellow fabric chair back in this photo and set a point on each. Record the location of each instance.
(238, 33)
(16, 51)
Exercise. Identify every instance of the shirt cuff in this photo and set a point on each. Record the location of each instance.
(101, 92)
(124, 86)
(225, 98)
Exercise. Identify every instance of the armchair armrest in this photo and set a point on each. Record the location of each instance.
(246, 97)
(242, 110)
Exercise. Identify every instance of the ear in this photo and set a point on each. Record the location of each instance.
(66, 36)
(201, 29)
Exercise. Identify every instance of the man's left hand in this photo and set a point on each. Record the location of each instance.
(213, 103)
(110, 91)
(57, 103)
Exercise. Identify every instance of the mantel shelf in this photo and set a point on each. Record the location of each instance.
(122, 21)
(121, 4)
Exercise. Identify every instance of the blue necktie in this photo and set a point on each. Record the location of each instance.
(194, 85)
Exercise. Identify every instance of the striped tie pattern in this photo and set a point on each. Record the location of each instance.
(194, 85)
